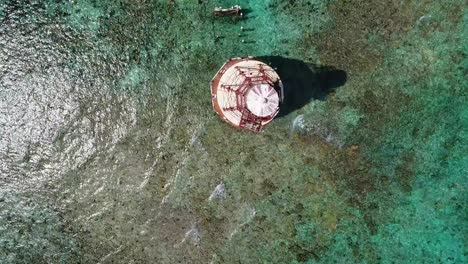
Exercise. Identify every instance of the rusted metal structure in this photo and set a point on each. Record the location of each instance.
(246, 93)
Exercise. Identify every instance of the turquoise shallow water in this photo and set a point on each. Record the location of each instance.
(110, 151)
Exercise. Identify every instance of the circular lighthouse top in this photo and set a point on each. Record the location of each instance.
(246, 93)
(262, 100)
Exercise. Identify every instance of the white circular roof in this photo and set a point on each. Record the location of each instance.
(262, 100)
(246, 93)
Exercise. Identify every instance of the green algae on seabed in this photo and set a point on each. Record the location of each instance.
(377, 173)
(31, 232)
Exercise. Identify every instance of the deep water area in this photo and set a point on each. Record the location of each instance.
(110, 151)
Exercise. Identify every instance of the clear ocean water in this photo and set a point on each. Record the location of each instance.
(110, 151)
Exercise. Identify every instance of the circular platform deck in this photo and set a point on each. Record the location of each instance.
(246, 93)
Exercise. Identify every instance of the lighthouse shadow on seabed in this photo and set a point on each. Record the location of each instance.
(303, 81)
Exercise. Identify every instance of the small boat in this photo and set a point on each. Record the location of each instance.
(233, 11)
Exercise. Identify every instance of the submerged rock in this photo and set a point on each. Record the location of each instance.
(192, 236)
(298, 124)
(218, 193)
